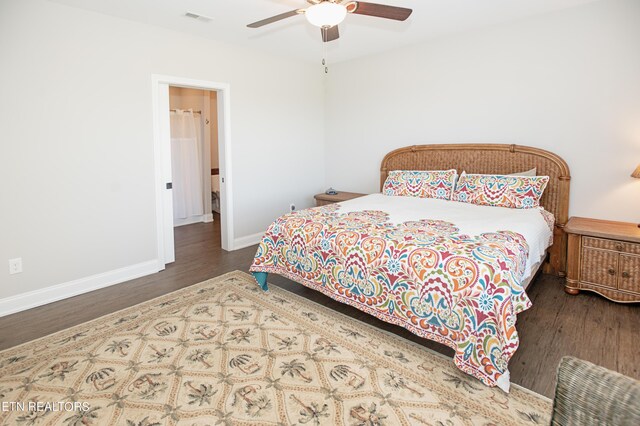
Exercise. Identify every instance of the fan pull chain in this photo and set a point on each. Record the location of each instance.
(324, 53)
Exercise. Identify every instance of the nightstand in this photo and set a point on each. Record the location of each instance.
(324, 199)
(603, 257)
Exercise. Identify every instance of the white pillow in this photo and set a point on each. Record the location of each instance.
(530, 173)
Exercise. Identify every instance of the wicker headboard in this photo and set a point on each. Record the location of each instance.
(497, 159)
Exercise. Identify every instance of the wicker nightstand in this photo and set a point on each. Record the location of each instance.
(604, 257)
(324, 199)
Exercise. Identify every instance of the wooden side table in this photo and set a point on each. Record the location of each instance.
(603, 257)
(324, 199)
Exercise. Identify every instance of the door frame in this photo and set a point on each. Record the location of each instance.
(162, 156)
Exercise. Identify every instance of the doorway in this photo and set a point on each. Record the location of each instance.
(176, 93)
(194, 155)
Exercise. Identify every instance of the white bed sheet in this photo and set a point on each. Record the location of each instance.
(471, 219)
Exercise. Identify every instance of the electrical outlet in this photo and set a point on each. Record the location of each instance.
(15, 266)
(292, 207)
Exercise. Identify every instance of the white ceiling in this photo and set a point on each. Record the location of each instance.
(295, 37)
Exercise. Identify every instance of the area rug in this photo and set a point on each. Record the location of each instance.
(223, 352)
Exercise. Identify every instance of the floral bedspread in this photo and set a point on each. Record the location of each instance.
(459, 290)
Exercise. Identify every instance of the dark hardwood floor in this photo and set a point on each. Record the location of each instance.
(586, 326)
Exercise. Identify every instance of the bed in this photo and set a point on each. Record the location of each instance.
(448, 271)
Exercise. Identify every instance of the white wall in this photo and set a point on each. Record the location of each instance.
(568, 82)
(185, 98)
(77, 161)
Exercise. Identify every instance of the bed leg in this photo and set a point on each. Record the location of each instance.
(261, 279)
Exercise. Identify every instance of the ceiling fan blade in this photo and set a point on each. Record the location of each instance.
(330, 34)
(275, 18)
(378, 10)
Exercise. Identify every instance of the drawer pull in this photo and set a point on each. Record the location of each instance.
(626, 275)
(611, 271)
(619, 247)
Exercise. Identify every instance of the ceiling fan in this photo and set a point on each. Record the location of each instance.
(327, 14)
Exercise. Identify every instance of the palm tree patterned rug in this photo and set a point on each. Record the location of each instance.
(223, 352)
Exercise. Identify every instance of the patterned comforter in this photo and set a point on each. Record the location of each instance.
(459, 290)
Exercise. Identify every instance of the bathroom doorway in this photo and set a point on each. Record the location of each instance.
(192, 141)
(194, 156)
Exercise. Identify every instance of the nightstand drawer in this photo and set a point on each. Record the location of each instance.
(601, 243)
(629, 273)
(599, 267)
(603, 257)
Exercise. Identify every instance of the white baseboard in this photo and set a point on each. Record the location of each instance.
(32, 299)
(206, 218)
(187, 221)
(247, 241)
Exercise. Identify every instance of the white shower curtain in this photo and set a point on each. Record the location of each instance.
(186, 164)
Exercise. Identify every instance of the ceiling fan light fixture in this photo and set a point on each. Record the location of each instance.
(325, 14)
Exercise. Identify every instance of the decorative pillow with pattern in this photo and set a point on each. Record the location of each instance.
(516, 192)
(420, 183)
